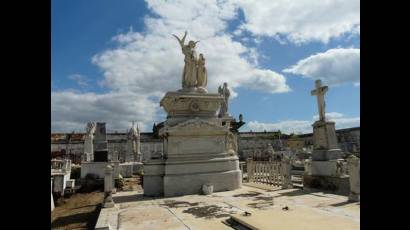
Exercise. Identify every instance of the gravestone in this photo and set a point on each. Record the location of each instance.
(199, 148)
(326, 169)
(100, 143)
(100, 157)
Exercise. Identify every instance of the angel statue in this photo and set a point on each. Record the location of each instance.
(189, 75)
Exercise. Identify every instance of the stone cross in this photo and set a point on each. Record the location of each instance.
(319, 92)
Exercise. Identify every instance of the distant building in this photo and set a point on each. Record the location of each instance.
(71, 145)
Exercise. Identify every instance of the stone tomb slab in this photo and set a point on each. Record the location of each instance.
(296, 218)
(149, 217)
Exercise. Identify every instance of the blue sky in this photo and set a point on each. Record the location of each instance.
(113, 60)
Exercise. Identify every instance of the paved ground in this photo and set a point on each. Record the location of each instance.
(315, 209)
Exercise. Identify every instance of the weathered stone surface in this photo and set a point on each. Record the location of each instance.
(316, 209)
(94, 168)
(191, 104)
(126, 169)
(324, 135)
(353, 163)
(198, 149)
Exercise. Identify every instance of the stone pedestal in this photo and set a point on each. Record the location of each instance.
(198, 149)
(353, 163)
(325, 142)
(108, 187)
(326, 170)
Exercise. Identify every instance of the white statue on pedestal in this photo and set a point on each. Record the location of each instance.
(224, 91)
(189, 76)
(202, 74)
(134, 145)
(88, 142)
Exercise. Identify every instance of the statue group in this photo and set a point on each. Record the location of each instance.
(194, 74)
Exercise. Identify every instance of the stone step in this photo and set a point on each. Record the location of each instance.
(231, 222)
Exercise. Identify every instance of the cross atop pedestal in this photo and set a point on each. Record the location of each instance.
(319, 92)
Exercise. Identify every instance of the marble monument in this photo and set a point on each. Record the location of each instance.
(199, 148)
(326, 168)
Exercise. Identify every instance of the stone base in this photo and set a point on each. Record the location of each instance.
(185, 178)
(354, 197)
(108, 202)
(180, 185)
(153, 179)
(137, 168)
(324, 135)
(323, 168)
(98, 169)
(326, 155)
(126, 170)
(339, 185)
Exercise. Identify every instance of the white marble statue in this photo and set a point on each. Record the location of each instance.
(134, 145)
(189, 75)
(88, 142)
(202, 74)
(224, 91)
(319, 92)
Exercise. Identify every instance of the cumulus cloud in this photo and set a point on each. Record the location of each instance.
(300, 21)
(71, 111)
(302, 126)
(333, 67)
(156, 55)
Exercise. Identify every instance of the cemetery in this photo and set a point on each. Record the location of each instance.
(199, 181)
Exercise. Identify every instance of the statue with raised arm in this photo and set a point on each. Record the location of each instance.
(189, 75)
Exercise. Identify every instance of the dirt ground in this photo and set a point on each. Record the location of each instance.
(132, 184)
(81, 210)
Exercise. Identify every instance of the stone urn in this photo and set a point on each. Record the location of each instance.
(207, 189)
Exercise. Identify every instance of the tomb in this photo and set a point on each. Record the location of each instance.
(96, 142)
(199, 148)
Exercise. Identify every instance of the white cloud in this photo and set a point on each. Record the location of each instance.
(81, 80)
(334, 67)
(71, 111)
(301, 21)
(302, 126)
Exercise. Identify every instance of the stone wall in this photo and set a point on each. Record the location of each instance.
(248, 142)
